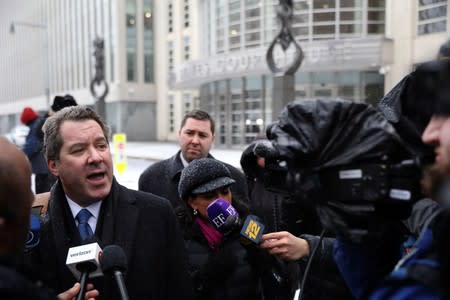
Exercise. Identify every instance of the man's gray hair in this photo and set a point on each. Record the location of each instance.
(52, 126)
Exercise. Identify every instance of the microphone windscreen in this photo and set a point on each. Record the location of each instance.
(113, 259)
(218, 212)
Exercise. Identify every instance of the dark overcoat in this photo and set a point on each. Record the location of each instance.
(146, 228)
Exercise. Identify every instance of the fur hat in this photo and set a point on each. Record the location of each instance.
(59, 102)
(28, 115)
(203, 175)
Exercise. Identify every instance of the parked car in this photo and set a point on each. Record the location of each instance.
(18, 134)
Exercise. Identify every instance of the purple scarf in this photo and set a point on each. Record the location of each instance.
(213, 237)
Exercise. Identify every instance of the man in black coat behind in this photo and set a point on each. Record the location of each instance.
(196, 137)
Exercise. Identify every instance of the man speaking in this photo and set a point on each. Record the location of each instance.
(87, 200)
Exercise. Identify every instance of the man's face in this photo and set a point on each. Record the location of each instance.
(437, 134)
(196, 139)
(85, 165)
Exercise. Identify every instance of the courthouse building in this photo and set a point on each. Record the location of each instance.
(165, 57)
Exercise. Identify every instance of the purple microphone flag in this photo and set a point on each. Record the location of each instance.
(218, 211)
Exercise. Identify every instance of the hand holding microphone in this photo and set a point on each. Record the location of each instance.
(285, 245)
(70, 294)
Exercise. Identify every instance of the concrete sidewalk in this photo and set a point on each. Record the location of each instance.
(156, 151)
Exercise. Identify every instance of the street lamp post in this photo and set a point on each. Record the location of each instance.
(12, 30)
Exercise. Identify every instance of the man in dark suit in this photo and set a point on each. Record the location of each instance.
(144, 225)
(196, 137)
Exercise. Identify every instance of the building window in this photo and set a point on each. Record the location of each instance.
(148, 41)
(187, 47)
(131, 40)
(171, 114)
(170, 52)
(373, 83)
(376, 16)
(170, 16)
(187, 103)
(186, 13)
(324, 4)
(252, 13)
(432, 16)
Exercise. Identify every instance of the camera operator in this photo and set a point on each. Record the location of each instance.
(423, 273)
(353, 167)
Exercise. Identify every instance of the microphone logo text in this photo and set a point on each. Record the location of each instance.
(80, 253)
(252, 230)
(219, 220)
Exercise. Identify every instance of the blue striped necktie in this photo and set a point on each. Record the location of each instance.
(83, 225)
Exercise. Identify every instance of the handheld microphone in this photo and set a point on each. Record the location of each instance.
(83, 262)
(252, 230)
(33, 237)
(218, 212)
(225, 219)
(114, 263)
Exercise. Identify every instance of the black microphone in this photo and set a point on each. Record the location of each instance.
(84, 262)
(114, 263)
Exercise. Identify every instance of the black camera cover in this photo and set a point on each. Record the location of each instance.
(322, 133)
(349, 160)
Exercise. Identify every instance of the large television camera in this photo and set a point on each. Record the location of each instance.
(347, 160)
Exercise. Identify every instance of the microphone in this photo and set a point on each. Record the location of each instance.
(218, 212)
(114, 263)
(33, 237)
(83, 262)
(225, 219)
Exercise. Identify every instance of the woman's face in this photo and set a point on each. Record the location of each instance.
(200, 202)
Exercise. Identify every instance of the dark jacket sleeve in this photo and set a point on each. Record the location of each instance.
(324, 255)
(324, 279)
(180, 285)
(364, 265)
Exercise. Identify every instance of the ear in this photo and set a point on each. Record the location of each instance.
(53, 167)
(213, 138)
(190, 202)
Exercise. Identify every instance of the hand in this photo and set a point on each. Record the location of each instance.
(266, 149)
(285, 245)
(72, 293)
